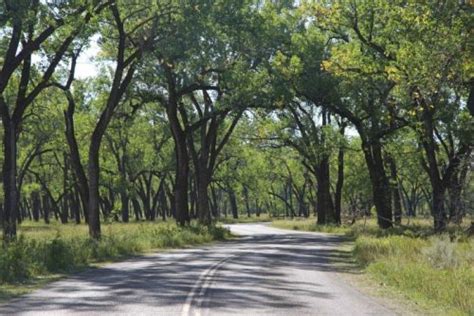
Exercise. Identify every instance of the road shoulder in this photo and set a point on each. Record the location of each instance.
(355, 276)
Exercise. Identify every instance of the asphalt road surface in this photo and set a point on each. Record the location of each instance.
(266, 271)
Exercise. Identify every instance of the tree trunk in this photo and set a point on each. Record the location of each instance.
(10, 207)
(125, 206)
(23, 211)
(224, 208)
(247, 202)
(381, 192)
(233, 204)
(46, 206)
(181, 182)
(76, 164)
(340, 179)
(470, 100)
(203, 210)
(397, 206)
(193, 197)
(155, 201)
(215, 203)
(94, 198)
(455, 189)
(55, 207)
(455, 208)
(440, 218)
(163, 202)
(339, 185)
(64, 213)
(75, 206)
(146, 197)
(107, 205)
(65, 205)
(36, 205)
(136, 209)
(258, 208)
(325, 206)
(181, 152)
(170, 194)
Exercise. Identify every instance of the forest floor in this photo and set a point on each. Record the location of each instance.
(408, 263)
(44, 253)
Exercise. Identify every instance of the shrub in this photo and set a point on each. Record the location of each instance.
(59, 255)
(218, 232)
(15, 261)
(442, 254)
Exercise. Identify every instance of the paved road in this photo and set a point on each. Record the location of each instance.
(265, 272)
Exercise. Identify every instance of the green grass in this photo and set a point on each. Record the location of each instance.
(264, 217)
(309, 224)
(435, 271)
(44, 252)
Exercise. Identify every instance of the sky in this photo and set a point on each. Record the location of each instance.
(85, 67)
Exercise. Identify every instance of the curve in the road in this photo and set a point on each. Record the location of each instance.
(265, 272)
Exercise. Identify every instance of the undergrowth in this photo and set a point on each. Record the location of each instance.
(42, 250)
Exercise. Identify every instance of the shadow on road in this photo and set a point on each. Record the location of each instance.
(255, 277)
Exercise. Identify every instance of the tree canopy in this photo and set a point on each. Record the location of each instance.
(340, 109)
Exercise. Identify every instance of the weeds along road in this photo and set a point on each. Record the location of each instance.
(266, 271)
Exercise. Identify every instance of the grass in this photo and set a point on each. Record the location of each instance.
(435, 271)
(264, 217)
(43, 252)
(309, 224)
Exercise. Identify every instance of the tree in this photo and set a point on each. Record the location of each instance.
(199, 80)
(396, 48)
(32, 28)
(135, 33)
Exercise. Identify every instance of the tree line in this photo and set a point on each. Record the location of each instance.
(197, 108)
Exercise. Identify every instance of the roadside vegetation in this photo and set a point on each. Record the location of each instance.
(265, 217)
(433, 270)
(42, 252)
